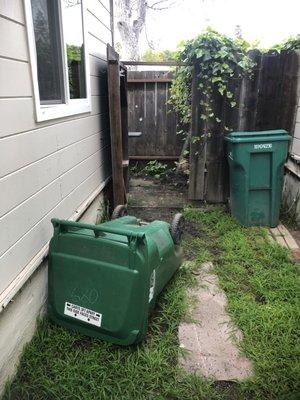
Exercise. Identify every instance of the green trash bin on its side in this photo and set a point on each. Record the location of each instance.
(256, 162)
(103, 280)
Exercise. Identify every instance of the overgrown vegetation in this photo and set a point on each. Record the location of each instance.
(103, 211)
(219, 59)
(262, 287)
(172, 173)
(289, 44)
(155, 55)
(154, 169)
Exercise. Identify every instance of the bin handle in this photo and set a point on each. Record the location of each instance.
(62, 226)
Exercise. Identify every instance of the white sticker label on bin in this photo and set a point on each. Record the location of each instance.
(83, 314)
(263, 146)
(152, 285)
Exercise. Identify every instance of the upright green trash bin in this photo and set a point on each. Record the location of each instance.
(104, 279)
(256, 161)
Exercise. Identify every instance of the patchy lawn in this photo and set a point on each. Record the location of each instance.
(262, 288)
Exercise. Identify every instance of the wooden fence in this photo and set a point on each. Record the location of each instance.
(152, 123)
(267, 101)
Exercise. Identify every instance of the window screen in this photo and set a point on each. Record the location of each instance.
(45, 15)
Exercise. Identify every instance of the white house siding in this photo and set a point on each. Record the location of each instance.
(295, 149)
(295, 145)
(46, 169)
(18, 320)
(291, 189)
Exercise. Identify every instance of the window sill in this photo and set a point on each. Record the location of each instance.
(48, 112)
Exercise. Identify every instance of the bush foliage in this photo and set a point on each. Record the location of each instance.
(219, 58)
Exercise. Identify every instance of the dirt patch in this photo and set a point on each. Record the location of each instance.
(156, 213)
(150, 193)
(165, 175)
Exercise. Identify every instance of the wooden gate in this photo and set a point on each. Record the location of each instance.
(152, 123)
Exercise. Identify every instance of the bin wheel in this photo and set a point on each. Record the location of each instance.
(119, 211)
(177, 227)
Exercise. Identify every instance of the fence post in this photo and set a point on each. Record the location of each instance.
(197, 148)
(115, 114)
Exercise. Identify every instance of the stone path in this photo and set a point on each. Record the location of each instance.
(209, 345)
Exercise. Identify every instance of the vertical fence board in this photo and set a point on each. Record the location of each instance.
(197, 148)
(288, 99)
(148, 95)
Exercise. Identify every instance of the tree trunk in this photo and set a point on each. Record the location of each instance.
(131, 17)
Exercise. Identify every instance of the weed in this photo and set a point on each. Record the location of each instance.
(103, 213)
(155, 168)
(135, 169)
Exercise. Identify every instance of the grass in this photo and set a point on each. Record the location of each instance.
(262, 287)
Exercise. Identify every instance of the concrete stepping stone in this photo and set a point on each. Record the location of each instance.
(209, 342)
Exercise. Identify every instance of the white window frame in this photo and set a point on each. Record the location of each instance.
(71, 106)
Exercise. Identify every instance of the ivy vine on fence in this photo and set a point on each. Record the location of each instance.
(219, 59)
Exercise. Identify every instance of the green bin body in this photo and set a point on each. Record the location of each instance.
(104, 279)
(256, 162)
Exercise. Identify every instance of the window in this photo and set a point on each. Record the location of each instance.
(58, 57)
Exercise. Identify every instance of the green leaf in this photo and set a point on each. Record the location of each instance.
(217, 79)
(195, 139)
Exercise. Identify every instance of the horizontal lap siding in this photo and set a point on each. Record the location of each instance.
(46, 169)
(14, 79)
(15, 44)
(12, 9)
(16, 97)
(296, 139)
